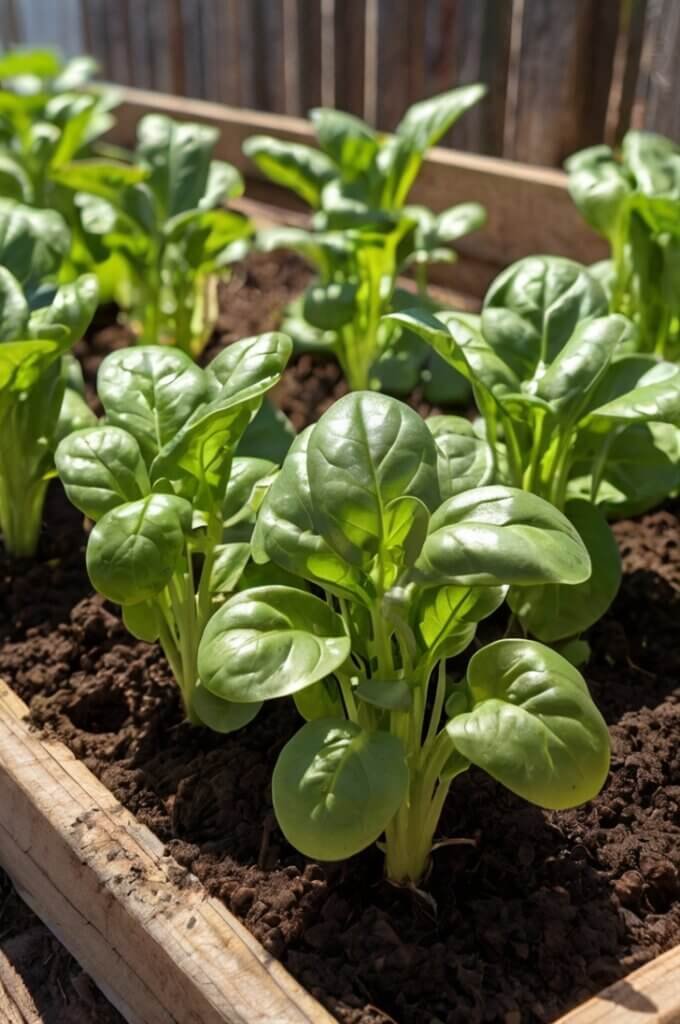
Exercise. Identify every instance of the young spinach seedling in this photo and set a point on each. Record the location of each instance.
(40, 387)
(364, 235)
(633, 200)
(172, 502)
(564, 401)
(162, 218)
(372, 507)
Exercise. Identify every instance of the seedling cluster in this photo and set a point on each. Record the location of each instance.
(347, 571)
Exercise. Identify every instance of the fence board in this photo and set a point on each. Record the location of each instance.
(349, 55)
(302, 54)
(660, 78)
(566, 60)
(465, 43)
(399, 72)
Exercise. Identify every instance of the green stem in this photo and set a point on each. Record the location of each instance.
(21, 506)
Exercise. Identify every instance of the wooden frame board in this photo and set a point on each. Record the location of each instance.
(529, 209)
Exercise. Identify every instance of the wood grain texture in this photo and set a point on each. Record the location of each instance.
(142, 927)
(399, 60)
(565, 67)
(659, 83)
(650, 995)
(466, 43)
(16, 1004)
(349, 55)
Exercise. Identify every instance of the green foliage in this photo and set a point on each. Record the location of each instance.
(161, 219)
(172, 501)
(364, 235)
(40, 388)
(50, 116)
(567, 411)
(633, 200)
(365, 509)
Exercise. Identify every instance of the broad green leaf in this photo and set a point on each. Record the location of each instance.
(22, 363)
(224, 182)
(247, 476)
(178, 156)
(346, 139)
(270, 642)
(101, 178)
(464, 460)
(424, 123)
(336, 787)
(388, 694)
(642, 468)
(151, 391)
(367, 451)
(533, 307)
(143, 620)
(221, 715)
(459, 220)
(258, 360)
(494, 536)
(72, 308)
(320, 700)
(15, 183)
(533, 725)
(652, 158)
(74, 414)
(656, 397)
(600, 188)
(41, 63)
(100, 469)
(135, 549)
(330, 306)
(578, 368)
(227, 569)
(555, 612)
(33, 242)
(268, 436)
(205, 444)
(300, 168)
(286, 533)
(446, 617)
(13, 308)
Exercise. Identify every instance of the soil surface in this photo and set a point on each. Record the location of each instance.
(530, 914)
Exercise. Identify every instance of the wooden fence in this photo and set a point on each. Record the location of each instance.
(562, 73)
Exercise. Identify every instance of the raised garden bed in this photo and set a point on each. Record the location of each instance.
(529, 913)
(150, 847)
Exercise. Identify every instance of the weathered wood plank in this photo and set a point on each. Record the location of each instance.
(400, 70)
(625, 76)
(659, 85)
(565, 67)
(160, 949)
(471, 43)
(650, 995)
(349, 55)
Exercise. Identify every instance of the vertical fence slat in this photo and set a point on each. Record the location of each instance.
(400, 78)
(307, 28)
(266, 47)
(660, 78)
(566, 59)
(470, 42)
(9, 23)
(349, 47)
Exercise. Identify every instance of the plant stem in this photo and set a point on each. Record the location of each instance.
(22, 500)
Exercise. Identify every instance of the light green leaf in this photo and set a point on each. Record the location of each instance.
(101, 468)
(336, 787)
(151, 391)
(555, 612)
(300, 168)
(499, 535)
(135, 549)
(258, 360)
(178, 156)
(464, 460)
(222, 716)
(533, 725)
(388, 694)
(270, 642)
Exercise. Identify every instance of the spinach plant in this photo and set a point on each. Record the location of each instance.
(633, 200)
(564, 401)
(40, 387)
(162, 218)
(363, 234)
(379, 511)
(172, 502)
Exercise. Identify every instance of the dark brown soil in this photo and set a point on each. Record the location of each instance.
(530, 916)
